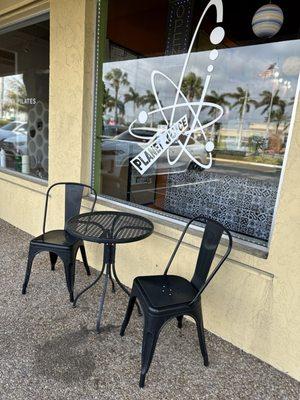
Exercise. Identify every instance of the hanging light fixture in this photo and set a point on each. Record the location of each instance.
(267, 21)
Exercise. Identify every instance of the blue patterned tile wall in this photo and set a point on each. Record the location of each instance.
(243, 204)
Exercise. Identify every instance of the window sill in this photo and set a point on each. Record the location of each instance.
(164, 220)
(19, 178)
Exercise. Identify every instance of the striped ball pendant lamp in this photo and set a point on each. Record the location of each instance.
(267, 21)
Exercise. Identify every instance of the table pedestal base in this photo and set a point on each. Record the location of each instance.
(109, 270)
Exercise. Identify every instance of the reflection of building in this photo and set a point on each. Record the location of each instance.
(229, 137)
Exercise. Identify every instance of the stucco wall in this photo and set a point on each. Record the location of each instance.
(253, 303)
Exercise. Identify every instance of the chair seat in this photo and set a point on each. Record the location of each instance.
(56, 238)
(164, 291)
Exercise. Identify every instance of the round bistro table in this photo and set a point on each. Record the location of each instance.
(108, 228)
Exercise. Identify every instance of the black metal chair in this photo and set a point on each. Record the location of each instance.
(163, 297)
(58, 242)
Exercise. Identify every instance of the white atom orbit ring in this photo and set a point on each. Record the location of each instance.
(216, 37)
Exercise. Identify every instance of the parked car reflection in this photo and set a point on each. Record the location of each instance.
(12, 129)
(14, 141)
(121, 178)
(113, 130)
(118, 151)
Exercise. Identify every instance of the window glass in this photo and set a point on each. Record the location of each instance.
(24, 98)
(194, 107)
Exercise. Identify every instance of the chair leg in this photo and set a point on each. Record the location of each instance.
(150, 336)
(130, 306)
(70, 277)
(201, 336)
(53, 259)
(72, 266)
(179, 321)
(84, 259)
(31, 256)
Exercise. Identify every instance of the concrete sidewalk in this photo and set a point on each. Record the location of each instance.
(48, 350)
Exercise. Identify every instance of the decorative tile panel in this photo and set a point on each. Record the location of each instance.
(243, 204)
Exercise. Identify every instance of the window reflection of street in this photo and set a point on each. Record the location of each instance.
(255, 83)
(24, 98)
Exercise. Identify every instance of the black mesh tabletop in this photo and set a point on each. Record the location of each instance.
(109, 227)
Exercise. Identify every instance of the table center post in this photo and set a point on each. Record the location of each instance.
(109, 228)
(109, 260)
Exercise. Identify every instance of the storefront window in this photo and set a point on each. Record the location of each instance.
(193, 107)
(24, 97)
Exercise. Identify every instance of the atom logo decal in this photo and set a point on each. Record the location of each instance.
(176, 130)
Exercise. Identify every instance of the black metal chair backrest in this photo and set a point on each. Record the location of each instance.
(74, 193)
(210, 241)
(212, 235)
